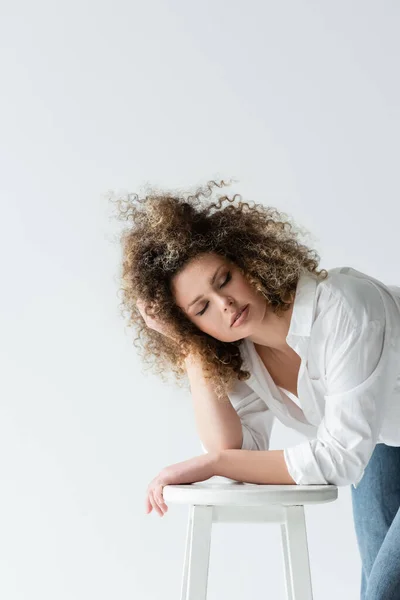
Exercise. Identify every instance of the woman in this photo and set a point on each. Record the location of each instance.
(230, 297)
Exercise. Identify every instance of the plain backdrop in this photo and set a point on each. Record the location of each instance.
(299, 103)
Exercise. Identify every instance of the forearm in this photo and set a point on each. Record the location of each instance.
(218, 424)
(253, 466)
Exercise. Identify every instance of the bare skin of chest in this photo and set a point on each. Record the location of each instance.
(283, 368)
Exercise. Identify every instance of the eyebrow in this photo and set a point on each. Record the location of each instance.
(210, 281)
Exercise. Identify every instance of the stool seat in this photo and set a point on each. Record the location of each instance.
(239, 502)
(248, 494)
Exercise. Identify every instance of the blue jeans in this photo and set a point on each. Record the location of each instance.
(376, 514)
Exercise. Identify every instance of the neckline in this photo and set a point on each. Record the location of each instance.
(263, 366)
(292, 410)
(288, 392)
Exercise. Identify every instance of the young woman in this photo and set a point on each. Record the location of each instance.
(230, 297)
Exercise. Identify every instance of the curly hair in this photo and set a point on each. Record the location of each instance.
(168, 230)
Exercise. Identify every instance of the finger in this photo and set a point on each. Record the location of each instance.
(154, 504)
(148, 505)
(160, 500)
(158, 496)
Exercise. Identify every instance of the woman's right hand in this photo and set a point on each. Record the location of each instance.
(155, 323)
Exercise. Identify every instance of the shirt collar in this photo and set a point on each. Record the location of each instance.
(302, 317)
(298, 338)
(303, 308)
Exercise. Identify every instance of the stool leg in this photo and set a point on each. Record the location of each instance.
(197, 553)
(296, 558)
(285, 550)
(187, 554)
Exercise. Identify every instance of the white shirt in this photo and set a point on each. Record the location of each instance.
(346, 330)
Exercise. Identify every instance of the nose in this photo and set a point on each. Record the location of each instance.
(229, 306)
(227, 302)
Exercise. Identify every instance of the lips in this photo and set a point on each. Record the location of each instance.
(235, 317)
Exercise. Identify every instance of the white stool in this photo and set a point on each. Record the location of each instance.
(237, 502)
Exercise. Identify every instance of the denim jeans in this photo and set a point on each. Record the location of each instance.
(376, 502)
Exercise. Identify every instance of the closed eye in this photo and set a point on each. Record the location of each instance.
(228, 278)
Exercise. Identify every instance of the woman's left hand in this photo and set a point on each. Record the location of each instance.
(195, 469)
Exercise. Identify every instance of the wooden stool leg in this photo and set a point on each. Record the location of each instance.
(296, 558)
(197, 553)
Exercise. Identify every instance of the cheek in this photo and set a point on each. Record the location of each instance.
(247, 291)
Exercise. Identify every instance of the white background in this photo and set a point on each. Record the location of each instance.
(299, 102)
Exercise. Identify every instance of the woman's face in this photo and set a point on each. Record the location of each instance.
(211, 290)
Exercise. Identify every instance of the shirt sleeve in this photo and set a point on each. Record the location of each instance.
(361, 371)
(256, 418)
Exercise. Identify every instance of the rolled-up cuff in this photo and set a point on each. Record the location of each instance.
(302, 465)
